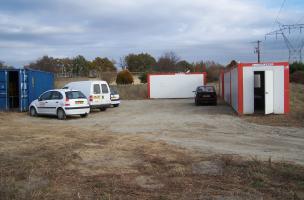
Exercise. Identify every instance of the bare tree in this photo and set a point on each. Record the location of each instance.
(122, 62)
(168, 61)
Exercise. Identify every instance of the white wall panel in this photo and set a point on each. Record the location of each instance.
(278, 83)
(227, 87)
(175, 86)
(248, 90)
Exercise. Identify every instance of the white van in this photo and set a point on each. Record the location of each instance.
(97, 92)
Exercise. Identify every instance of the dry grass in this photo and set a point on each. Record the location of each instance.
(73, 163)
(294, 118)
(132, 92)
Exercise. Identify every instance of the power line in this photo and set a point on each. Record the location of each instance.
(282, 5)
(295, 49)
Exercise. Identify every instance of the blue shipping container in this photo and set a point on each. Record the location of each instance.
(19, 87)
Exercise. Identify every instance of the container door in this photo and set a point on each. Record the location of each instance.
(3, 90)
(23, 82)
(268, 92)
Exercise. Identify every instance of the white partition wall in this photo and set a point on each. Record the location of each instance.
(227, 87)
(177, 85)
(278, 89)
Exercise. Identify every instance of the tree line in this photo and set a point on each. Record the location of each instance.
(78, 66)
(3, 65)
(141, 63)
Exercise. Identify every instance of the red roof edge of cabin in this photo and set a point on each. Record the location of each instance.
(241, 64)
(176, 73)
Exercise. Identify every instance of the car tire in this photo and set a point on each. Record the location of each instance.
(33, 112)
(115, 105)
(196, 103)
(84, 115)
(61, 114)
(103, 109)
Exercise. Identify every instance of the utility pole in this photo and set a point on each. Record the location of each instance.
(258, 50)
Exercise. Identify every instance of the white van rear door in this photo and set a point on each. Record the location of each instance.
(96, 94)
(106, 94)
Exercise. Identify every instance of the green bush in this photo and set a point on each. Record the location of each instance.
(124, 77)
(296, 66)
(143, 77)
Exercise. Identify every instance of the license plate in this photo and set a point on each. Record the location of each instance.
(79, 102)
(206, 95)
(96, 97)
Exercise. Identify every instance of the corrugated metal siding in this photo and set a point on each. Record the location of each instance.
(234, 88)
(39, 82)
(3, 89)
(31, 84)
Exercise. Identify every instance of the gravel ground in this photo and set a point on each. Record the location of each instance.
(208, 129)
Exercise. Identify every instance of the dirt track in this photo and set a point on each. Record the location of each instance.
(168, 146)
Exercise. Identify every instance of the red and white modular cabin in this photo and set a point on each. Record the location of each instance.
(256, 88)
(174, 85)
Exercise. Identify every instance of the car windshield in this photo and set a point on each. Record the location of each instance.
(75, 95)
(113, 90)
(205, 89)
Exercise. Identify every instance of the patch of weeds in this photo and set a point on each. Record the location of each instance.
(258, 183)
(105, 196)
(99, 185)
(301, 184)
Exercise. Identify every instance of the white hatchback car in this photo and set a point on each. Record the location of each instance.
(60, 103)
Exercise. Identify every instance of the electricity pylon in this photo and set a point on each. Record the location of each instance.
(294, 48)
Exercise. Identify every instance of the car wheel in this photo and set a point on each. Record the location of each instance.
(103, 109)
(33, 112)
(116, 105)
(196, 103)
(61, 114)
(84, 115)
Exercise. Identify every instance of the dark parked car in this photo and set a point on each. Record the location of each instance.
(205, 95)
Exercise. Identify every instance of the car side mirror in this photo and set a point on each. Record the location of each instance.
(39, 99)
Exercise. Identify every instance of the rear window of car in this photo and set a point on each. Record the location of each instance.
(75, 95)
(205, 89)
(56, 95)
(104, 88)
(96, 89)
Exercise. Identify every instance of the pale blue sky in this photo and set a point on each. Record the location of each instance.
(219, 30)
